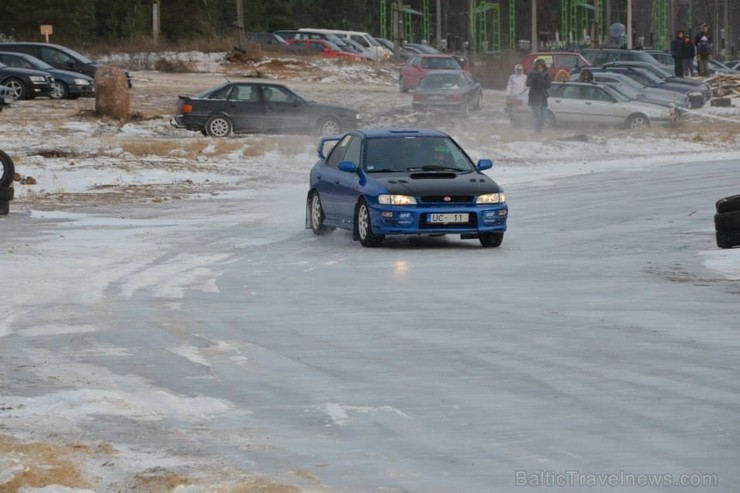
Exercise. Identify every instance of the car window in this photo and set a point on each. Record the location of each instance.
(222, 93)
(338, 152)
(568, 61)
(595, 93)
(55, 56)
(570, 92)
(361, 40)
(245, 92)
(277, 94)
(353, 150)
(441, 81)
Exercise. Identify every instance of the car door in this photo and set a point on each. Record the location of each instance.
(565, 103)
(328, 179)
(284, 111)
(601, 108)
(245, 108)
(347, 184)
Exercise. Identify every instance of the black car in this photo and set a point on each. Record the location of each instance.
(448, 90)
(66, 85)
(57, 56)
(259, 107)
(25, 83)
(666, 76)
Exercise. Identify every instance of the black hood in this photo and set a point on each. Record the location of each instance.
(438, 183)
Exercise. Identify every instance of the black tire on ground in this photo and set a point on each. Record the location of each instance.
(728, 239)
(637, 122)
(218, 126)
(6, 193)
(364, 227)
(728, 204)
(7, 171)
(4, 207)
(316, 215)
(20, 91)
(490, 240)
(727, 221)
(59, 90)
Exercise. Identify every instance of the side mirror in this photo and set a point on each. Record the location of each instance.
(484, 164)
(347, 166)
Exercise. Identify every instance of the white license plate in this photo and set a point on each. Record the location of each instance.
(448, 218)
(436, 98)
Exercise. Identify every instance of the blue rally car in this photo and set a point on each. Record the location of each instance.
(403, 182)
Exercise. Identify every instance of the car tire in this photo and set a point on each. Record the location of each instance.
(402, 85)
(6, 193)
(59, 90)
(364, 227)
(329, 126)
(636, 122)
(479, 102)
(8, 170)
(728, 204)
(4, 207)
(727, 221)
(728, 239)
(316, 215)
(18, 87)
(218, 126)
(490, 240)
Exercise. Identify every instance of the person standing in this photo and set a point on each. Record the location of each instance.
(689, 52)
(515, 87)
(677, 53)
(538, 82)
(703, 42)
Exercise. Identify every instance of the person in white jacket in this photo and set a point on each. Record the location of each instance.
(516, 85)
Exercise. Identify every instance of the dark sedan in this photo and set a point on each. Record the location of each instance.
(384, 182)
(66, 85)
(448, 90)
(25, 83)
(260, 107)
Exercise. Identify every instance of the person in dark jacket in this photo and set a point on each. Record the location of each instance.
(677, 53)
(703, 43)
(538, 82)
(689, 52)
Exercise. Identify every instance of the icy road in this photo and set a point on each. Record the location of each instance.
(596, 343)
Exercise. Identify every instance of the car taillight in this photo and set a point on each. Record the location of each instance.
(418, 97)
(455, 97)
(186, 108)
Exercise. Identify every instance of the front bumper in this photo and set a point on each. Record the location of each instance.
(406, 220)
(81, 91)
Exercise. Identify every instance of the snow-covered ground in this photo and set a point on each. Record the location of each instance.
(113, 185)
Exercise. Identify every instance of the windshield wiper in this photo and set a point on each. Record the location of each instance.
(434, 167)
(384, 170)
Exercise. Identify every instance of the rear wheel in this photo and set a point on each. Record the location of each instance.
(728, 204)
(329, 126)
(491, 240)
(18, 88)
(218, 126)
(7, 174)
(637, 122)
(316, 215)
(59, 90)
(728, 239)
(365, 227)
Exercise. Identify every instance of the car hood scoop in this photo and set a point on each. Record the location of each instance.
(439, 183)
(433, 175)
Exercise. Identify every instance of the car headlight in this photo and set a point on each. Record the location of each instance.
(37, 78)
(81, 82)
(491, 198)
(387, 199)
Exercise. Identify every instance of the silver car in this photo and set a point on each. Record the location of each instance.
(637, 91)
(590, 104)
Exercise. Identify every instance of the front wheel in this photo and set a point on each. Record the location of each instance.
(17, 87)
(59, 90)
(218, 126)
(316, 215)
(365, 228)
(7, 168)
(637, 122)
(491, 240)
(329, 126)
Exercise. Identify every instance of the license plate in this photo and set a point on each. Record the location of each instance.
(436, 98)
(448, 218)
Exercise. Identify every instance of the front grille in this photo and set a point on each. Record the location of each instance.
(453, 199)
(472, 223)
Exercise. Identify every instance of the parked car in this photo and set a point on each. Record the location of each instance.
(556, 61)
(322, 48)
(259, 107)
(383, 182)
(25, 83)
(714, 66)
(66, 85)
(642, 92)
(418, 66)
(590, 104)
(373, 49)
(322, 34)
(269, 40)
(57, 56)
(448, 90)
(600, 56)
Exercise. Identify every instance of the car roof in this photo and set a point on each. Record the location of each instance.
(401, 132)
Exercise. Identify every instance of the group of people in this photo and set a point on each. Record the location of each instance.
(684, 50)
(538, 81)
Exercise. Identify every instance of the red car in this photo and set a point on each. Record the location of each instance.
(322, 48)
(418, 66)
(556, 61)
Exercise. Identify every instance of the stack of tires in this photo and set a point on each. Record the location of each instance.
(727, 222)
(6, 182)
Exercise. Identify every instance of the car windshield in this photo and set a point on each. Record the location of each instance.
(414, 154)
(213, 90)
(39, 64)
(440, 81)
(644, 77)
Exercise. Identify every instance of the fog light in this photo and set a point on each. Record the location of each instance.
(387, 214)
(503, 212)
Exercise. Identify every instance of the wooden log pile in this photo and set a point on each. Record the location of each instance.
(725, 85)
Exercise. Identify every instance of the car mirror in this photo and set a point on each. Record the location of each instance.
(484, 164)
(347, 166)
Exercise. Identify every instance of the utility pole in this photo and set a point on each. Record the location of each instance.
(728, 36)
(155, 21)
(439, 24)
(629, 24)
(398, 25)
(608, 19)
(533, 42)
(242, 41)
(595, 40)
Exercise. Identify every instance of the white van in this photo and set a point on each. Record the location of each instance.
(374, 50)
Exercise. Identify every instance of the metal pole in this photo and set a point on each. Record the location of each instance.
(155, 21)
(728, 37)
(533, 42)
(629, 24)
(608, 19)
(595, 41)
(439, 24)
